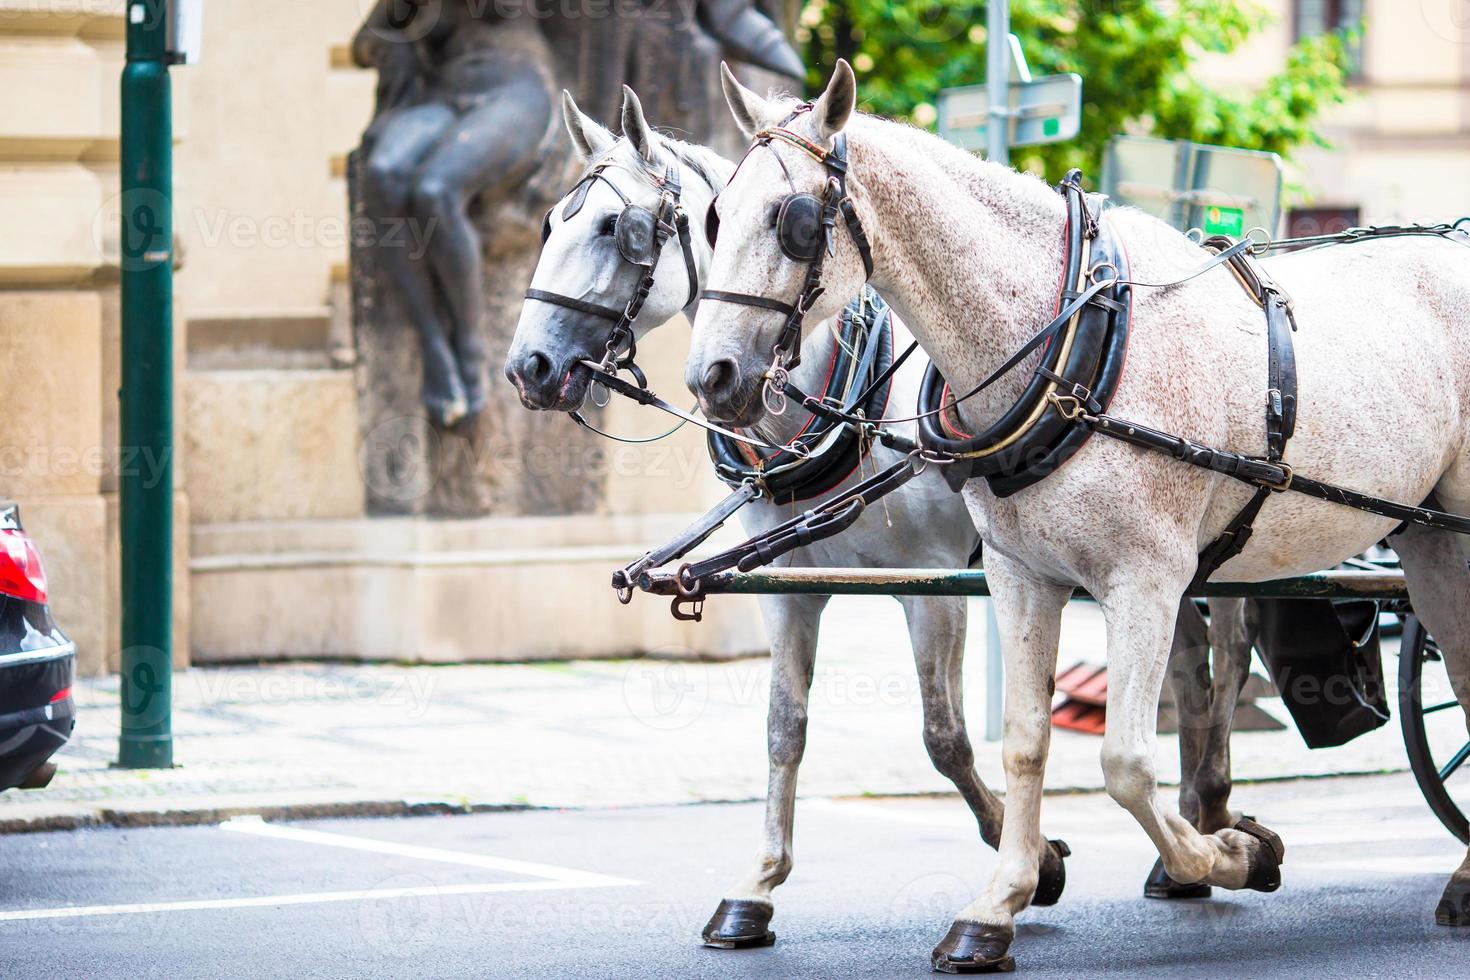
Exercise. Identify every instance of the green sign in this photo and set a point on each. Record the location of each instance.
(1224, 221)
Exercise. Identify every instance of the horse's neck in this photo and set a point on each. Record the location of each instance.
(969, 253)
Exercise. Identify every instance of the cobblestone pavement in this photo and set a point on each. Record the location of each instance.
(333, 739)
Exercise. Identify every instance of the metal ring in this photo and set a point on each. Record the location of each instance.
(606, 398)
(1092, 274)
(1259, 245)
(1196, 235)
(688, 592)
(1068, 407)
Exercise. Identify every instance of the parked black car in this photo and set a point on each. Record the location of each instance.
(37, 665)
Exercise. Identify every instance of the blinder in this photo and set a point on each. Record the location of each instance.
(798, 226)
(636, 232)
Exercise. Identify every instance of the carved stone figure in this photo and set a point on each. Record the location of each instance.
(464, 153)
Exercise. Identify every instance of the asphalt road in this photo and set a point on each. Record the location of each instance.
(624, 893)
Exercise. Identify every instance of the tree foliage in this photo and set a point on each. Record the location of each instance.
(1137, 59)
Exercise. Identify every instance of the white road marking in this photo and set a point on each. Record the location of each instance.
(566, 877)
(551, 878)
(277, 901)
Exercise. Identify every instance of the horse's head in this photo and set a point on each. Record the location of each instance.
(767, 230)
(599, 243)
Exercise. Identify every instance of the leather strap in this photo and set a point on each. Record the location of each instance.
(745, 299)
(571, 303)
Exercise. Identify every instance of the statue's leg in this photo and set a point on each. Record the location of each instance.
(489, 151)
(402, 142)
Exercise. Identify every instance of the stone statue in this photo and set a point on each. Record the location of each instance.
(464, 155)
(465, 116)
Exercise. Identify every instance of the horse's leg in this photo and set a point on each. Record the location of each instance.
(1434, 567)
(744, 914)
(1029, 613)
(1205, 722)
(1230, 639)
(1140, 616)
(1189, 679)
(937, 630)
(401, 144)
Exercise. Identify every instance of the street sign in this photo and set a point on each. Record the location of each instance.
(1042, 110)
(1220, 190)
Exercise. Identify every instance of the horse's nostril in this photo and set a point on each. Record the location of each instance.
(722, 376)
(538, 366)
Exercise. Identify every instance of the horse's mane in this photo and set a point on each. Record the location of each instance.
(699, 160)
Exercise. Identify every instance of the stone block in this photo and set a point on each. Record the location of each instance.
(266, 445)
(51, 440)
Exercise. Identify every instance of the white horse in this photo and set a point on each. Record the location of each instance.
(923, 524)
(967, 252)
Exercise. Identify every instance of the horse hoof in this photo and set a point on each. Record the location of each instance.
(974, 947)
(1454, 904)
(1160, 885)
(1264, 872)
(1053, 874)
(739, 924)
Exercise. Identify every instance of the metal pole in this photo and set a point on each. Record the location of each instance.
(998, 80)
(145, 480)
(998, 135)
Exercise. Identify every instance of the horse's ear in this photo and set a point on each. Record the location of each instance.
(752, 113)
(636, 129)
(835, 106)
(590, 137)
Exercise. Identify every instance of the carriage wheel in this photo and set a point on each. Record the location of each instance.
(1434, 731)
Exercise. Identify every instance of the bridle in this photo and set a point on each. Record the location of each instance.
(640, 235)
(804, 229)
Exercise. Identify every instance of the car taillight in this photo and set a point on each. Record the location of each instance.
(21, 575)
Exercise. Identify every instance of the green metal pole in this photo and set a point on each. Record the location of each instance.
(146, 477)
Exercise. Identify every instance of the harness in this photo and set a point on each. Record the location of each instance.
(1084, 355)
(862, 353)
(1066, 400)
(805, 225)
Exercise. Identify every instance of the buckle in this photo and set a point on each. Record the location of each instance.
(1069, 407)
(1285, 484)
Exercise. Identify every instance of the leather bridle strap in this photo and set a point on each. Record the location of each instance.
(572, 303)
(670, 219)
(745, 299)
(835, 202)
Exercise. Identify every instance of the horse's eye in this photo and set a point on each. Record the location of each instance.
(609, 226)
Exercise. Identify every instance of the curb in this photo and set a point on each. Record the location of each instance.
(197, 817)
(122, 818)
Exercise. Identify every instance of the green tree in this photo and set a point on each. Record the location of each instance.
(1136, 59)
